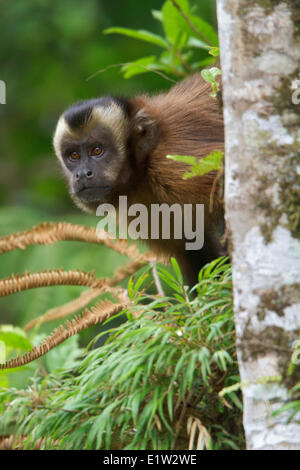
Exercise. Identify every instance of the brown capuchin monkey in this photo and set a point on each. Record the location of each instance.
(111, 146)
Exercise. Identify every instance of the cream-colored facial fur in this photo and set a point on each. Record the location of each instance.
(111, 117)
(61, 130)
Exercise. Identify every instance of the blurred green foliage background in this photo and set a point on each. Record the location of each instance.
(48, 49)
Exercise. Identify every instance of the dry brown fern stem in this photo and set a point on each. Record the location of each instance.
(87, 296)
(71, 307)
(99, 313)
(48, 233)
(57, 277)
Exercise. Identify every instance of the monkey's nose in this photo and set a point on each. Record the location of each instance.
(84, 174)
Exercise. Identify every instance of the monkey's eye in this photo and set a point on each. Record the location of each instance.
(74, 156)
(98, 150)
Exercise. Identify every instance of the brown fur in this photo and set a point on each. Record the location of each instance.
(190, 122)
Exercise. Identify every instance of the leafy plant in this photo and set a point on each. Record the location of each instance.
(213, 161)
(154, 384)
(209, 76)
(188, 42)
(293, 405)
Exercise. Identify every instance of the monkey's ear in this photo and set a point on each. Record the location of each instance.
(145, 134)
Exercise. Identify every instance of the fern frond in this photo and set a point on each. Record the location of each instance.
(57, 277)
(99, 313)
(48, 233)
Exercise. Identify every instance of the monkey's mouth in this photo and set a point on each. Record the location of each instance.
(92, 193)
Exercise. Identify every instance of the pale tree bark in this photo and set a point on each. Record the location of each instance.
(260, 59)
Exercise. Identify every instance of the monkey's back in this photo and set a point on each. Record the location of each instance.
(191, 123)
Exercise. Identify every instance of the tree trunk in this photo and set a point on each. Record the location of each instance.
(260, 59)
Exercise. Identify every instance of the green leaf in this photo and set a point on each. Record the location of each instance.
(236, 400)
(14, 338)
(170, 403)
(130, 288)
(163, 417)
(157, 14)
(211, 162)
(139, 282)
(174, 24)
(177, 270)
(195, 42)
(205, 29)
(139, 66)
(183, 159)
(139, 34)
(209, 75)
(215, 51)
(135, 405)
(191, 370)
(169, 279)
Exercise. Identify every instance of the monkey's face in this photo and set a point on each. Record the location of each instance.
(92, 165)
(102, 146)
(90, 144)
